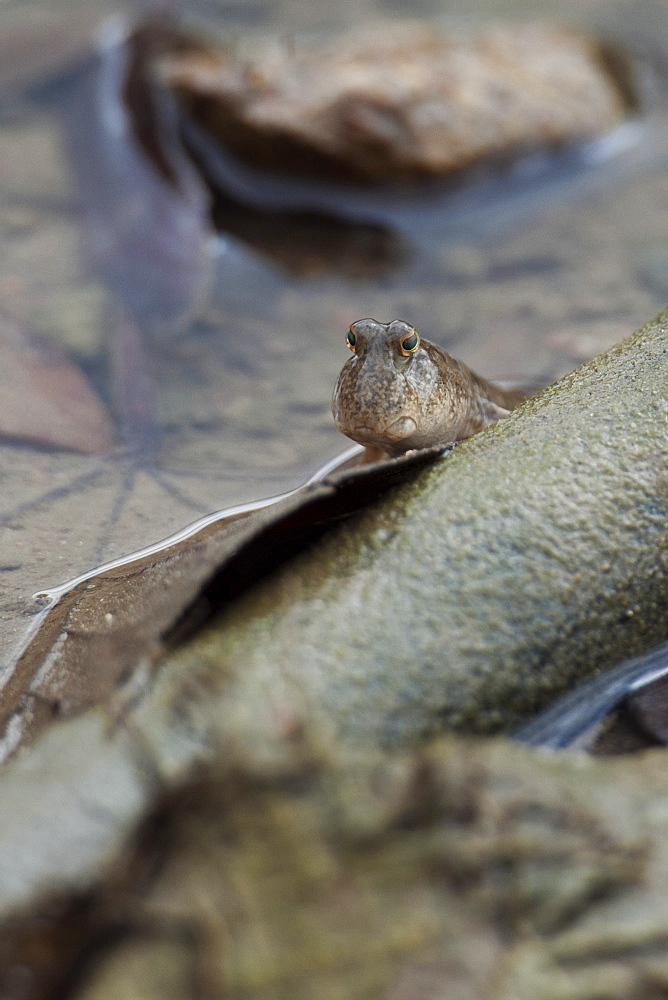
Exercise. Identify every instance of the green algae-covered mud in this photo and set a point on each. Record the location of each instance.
(530, 558)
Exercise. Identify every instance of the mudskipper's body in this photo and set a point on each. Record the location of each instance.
(399, 392)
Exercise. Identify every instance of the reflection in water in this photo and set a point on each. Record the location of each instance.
(308, 244)
(145, 209)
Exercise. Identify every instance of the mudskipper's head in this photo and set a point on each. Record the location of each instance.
(390, 394)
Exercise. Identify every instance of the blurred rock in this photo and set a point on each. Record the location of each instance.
(462, 870)
(402, 101)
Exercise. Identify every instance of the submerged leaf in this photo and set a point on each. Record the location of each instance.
(186, 444)
(45, 398)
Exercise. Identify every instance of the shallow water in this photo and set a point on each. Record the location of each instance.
(213, 356)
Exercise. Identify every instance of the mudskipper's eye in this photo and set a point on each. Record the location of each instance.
(351, 340)
(410, 343)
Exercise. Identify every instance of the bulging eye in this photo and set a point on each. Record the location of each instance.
(351, 340)
(410, 343)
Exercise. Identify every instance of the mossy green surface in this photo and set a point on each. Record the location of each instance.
(528, 559)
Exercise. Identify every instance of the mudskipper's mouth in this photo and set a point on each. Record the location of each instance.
(377, 436)
(401, 428)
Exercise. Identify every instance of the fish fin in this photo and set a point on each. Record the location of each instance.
(490, 411)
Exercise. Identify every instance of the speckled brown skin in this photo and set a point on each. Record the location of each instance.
(393, 402)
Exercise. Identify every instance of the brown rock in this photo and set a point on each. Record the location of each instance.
(472, 871)
(401, 101)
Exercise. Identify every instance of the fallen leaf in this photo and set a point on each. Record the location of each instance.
(45, 398)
